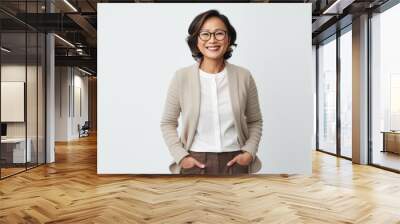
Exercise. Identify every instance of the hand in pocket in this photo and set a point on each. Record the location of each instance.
(243, 159)
(189, 162)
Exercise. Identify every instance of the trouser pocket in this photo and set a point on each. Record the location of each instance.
(199, 156)
(239, 169)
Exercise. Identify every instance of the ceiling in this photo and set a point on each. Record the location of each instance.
(76, 22)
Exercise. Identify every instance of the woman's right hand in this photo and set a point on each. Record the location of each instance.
(189, 162)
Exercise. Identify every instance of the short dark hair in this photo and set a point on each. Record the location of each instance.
(196, 25)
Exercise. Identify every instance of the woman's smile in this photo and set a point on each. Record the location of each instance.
(213, 49)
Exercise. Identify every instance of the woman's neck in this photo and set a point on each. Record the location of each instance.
(212, 66)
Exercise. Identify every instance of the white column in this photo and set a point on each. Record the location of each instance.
(50, 92)
(360, 90)
(50, 100)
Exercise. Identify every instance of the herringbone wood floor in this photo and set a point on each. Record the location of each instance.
(70, 191)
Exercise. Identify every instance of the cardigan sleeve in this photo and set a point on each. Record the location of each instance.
(254, 119)
(169, 122)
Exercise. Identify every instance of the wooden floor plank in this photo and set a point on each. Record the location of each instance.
(70, 191)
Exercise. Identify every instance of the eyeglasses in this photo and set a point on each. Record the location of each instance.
(218, 35)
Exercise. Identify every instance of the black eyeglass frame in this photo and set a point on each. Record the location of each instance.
(213, 33)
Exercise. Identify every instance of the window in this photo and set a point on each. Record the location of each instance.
(327, 96)
(385, 88)
(346, 93)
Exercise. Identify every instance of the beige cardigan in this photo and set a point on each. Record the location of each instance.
(184, 97)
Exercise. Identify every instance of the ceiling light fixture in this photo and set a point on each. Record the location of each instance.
(70, 5)
(84, 71)
(337, 7)
(64, 40)
(329, 9)
(79, 51)
(5, 50)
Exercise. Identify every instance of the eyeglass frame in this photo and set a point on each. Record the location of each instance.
(213, 34)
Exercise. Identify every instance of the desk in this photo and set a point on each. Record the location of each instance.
(13, 150)
(391, 141)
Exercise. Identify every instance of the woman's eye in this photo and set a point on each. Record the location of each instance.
(204, 35)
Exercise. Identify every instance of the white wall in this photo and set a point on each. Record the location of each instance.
(79, 117)
(61, 103)
(18, 73)
(136, 64)
(68, 81)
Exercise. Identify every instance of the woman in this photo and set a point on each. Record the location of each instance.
(218, 101)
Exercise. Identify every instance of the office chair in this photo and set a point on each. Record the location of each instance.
(84, 130)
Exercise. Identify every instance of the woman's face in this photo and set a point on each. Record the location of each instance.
(213, 39)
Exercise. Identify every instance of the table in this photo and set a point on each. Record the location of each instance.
(391, 141)
(13, 150)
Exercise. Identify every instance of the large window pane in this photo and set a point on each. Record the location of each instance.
(327, 96)
(386, 88)
(346, 94)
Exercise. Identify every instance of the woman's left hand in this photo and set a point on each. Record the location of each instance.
(242, 159)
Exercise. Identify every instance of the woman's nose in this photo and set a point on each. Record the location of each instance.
(212, 38)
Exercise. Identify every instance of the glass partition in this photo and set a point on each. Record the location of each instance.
(14, 153)
(22, 67)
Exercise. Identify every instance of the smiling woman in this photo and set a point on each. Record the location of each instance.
(202, 26)
(218, 101)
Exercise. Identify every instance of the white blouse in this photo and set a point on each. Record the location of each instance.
(216, 129)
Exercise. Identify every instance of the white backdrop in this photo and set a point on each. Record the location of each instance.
(140, 46)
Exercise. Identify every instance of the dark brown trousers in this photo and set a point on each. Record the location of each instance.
(215, 164)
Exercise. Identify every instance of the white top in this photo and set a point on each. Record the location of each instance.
(216, 128)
